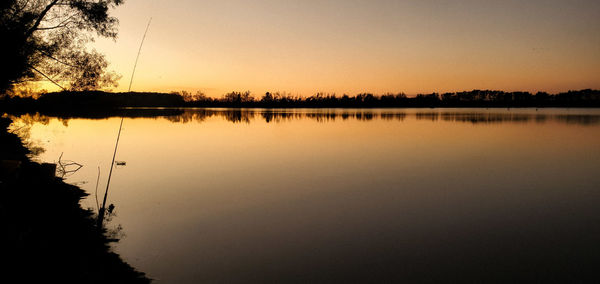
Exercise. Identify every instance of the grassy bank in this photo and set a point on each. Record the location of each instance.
(46, 235)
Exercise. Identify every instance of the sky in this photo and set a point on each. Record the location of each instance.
(348, 46)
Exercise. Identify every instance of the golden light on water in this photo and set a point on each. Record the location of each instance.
(225, 194)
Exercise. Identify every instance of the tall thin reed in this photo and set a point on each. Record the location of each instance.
(103, 209)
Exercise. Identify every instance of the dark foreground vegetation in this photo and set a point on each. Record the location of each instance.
(86, 101)
(46, 235)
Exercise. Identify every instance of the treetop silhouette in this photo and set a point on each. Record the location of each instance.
(45, 40)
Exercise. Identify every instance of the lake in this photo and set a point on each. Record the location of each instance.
(343, 195)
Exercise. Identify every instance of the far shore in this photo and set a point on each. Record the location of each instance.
(102, 102)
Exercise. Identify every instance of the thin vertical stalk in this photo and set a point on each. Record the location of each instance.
(138, 55)
(102, 210)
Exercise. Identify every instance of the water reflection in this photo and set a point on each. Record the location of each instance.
(346, 195)
(475, 116)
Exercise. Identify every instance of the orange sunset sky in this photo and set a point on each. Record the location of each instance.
(347, 46)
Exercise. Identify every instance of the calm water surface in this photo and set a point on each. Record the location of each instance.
(345, 195)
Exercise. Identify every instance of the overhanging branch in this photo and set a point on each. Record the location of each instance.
(40, 18)
(49, 79)
(56, 59)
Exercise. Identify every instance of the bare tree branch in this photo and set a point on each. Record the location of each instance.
(45, 76)
(40, 18)
(55, 59)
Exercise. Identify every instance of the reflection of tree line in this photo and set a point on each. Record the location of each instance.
(248, 115)
(277, 116)
(269, 116)
(509, 117)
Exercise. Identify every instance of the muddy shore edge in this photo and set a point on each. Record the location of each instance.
(46, 234)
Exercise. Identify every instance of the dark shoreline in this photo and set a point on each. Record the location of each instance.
(95, 101)
(47, 235)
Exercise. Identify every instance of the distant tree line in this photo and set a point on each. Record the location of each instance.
(82, 100)
(475, 98)
(89, 100)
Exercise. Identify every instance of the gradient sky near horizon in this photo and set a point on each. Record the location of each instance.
(349, 46)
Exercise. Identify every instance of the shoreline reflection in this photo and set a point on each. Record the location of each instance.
(324, 115)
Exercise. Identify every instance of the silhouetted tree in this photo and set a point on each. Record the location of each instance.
(238, 98)
(46, 40)
(200, 97)
(267, 98)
